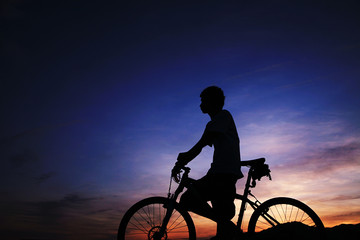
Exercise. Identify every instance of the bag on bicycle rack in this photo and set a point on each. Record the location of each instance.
(260, 171)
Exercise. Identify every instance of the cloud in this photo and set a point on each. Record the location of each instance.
(51, 212)
(333, 158)
(347, 217)
(346, 197)
(34, 131)
(74, 216)
(44, 177)
(72, 199)
(260, 70)
(326, 174)
(23, 158)
(285, 135)
(349, 151)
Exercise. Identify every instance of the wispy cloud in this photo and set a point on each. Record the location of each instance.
(344, 217)
(289, 134)
(27, 156)
(260, 70)
(74, 216)
(346, 197)
(37, 130)
(44, 177)
(337, 157)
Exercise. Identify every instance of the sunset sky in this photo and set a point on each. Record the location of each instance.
(99, 97)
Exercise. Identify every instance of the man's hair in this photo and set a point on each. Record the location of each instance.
(214, 95)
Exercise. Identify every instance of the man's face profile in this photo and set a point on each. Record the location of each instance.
(205, 105)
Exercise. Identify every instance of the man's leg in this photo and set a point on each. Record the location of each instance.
(195, 199)
(223, 205)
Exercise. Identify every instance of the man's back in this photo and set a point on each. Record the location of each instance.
(226, 158)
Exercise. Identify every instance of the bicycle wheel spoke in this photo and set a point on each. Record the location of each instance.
(302, 216)
(142, 229)
(160, 216)
(176, 226)
(136, 231)
(141, 222)
(148, 218)
(283, 212)
(291, 211)
(263, 224)
(174, 220)
(305, 219)
(277, 210)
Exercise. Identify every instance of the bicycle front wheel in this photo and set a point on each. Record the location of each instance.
(144, 219)
(286, 215)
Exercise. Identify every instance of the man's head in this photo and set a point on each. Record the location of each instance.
(212, 99)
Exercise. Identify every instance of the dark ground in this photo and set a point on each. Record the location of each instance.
(298, 231)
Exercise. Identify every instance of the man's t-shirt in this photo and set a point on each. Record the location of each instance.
(226, 158)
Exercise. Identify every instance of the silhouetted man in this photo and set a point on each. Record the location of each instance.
(218, 185)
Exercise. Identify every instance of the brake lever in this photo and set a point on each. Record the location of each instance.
(177, 177)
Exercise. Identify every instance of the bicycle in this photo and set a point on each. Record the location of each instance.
(161, 218)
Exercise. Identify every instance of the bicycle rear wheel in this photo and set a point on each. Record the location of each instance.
(144, 219)
(285, 216)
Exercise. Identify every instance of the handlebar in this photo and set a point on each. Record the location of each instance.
(186, 169)
(177, 178)
(250, 163)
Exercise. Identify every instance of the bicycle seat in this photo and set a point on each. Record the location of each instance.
(254, 162)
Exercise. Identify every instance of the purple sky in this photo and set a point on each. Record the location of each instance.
(98, 98)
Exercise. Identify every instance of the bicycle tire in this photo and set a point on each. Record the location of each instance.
(145, 217)
(285, 210)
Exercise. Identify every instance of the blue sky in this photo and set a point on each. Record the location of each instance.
(99, 98)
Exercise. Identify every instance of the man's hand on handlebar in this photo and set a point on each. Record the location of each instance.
(182, 160)
(175, 172)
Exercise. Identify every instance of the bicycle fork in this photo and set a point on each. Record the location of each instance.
(169, 210)
(170, 206)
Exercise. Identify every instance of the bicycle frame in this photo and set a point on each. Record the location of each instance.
(185, 182)
(244, 199)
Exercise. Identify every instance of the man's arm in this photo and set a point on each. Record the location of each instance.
(185, 157)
